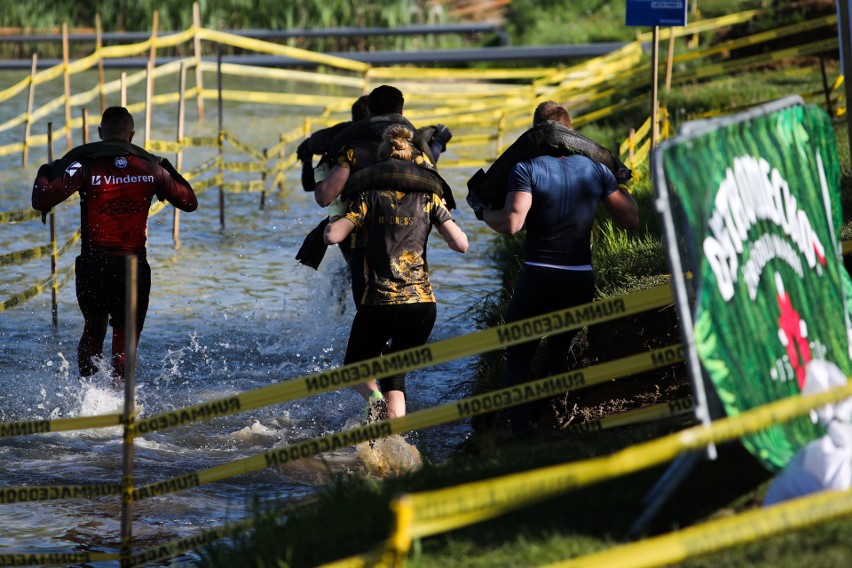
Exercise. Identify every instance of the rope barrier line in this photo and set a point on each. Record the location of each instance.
(36, 289)
(11, 495)
(21, 256)
(284, 74)
(720, 534)
(451, 508)
(19, 216)
(650, 413)
(283, 50)
(459, 410)
(55, 558)
(415, 358)
(26, 427)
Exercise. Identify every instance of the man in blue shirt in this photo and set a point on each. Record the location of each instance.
(555, 198)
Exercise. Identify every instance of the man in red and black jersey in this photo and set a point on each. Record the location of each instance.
(116, 181)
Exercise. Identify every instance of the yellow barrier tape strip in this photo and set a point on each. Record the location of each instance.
(720, 534)
(173, 548)
(163, 146)
(704, 25)
(244, 166)
(398, 73)
(193, 141)
(415, 358)
(206, 184)
(10, 149)
(244, 186)
(243, 147)
(286, 99)
(19, 216)
(33, 291)
(284, 75)
(480, 404)
(201, 168)
(21, 256)
(478, 163)
(447, 509)
(56, 492)
(758, 38)
(846, 246)
(27, 427)
(55, 558)
(276, 49)
(650, 413)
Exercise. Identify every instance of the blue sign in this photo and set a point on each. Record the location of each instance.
(656, 13)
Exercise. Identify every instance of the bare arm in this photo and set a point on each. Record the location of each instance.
(454, 236)
(337, 231)
(510, 219)
(331, 187)
(623, 208)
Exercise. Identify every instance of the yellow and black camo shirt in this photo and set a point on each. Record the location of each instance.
(397, 226)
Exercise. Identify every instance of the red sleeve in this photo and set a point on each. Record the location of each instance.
(172, 187)
(48, 192)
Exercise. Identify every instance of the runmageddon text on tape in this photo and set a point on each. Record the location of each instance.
(55, 558)
(415, 358)
(480, 404)
(448, 509)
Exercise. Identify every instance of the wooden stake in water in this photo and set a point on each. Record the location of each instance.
(98, 46)
(66, 57)
(54, 251)
(196, 41)
(130, 309)
(28, 119)
(179, 156)
(221, 138)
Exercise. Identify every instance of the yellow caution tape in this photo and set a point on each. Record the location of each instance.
(415, 358)
(191, 141)
(34, 290)
(286, 51)
(8, 429)
(201, 168)
(21, 256)
(398, 73)
(55, 492)
(244, 166)
(10, 149)
(55, 558)
(244, 186)
(285, 99)
(473, 406)
(258, 155)
(205, 184)
(173, 548)
(447, 509)
(285, 75)
(705, 25)
(163, 146)
(847, 246)
(650, 413)
(19, 216)
(720, 534)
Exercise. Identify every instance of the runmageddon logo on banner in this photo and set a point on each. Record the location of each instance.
(752, 191)
(758, 210)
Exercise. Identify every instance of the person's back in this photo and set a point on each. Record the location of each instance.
(566, 192)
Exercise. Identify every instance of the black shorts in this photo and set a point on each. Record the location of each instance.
(100, 287)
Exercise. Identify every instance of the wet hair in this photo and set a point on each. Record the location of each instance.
(552, 111)
(385, 99)
(116, 122)
(359, 109)
(396, 143)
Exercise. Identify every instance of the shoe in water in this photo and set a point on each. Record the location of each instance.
(377, 409)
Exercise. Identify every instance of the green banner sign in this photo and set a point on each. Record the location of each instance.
(758, 209)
